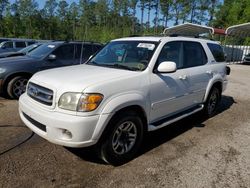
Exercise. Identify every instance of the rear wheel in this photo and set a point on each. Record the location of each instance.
(123, 139)
(17, 86)
(212, 102)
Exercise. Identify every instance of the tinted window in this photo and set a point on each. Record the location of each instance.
(217, 52)
(194, 54)
(84, 50)
(29, 43)
(8, 45)
(65, 52)
(96, 48)
(171, 52)
(20, 44)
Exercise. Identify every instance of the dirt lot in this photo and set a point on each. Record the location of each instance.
(191, 153)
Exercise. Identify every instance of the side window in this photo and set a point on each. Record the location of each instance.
(171, 52)
(85, 50)
(96, 48)
(20, 44)
(65, 52)
(193, 54)
(30, 43)
(217, 52)
(8, 45)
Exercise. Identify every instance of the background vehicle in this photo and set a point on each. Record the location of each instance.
(246, 58)
(133, 85)
(21, 52)
(13, 45)
(16, 71)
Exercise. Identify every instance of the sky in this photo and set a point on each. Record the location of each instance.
(138, 14)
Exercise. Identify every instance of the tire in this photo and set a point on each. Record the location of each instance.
(116, 147)
(212, 102)
(17, 86)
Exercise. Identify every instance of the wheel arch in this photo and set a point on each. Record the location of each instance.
(13, 75)
(218, 83)
(104, 125)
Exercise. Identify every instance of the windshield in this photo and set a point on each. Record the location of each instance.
(42, 51)
(29, 48)
(129, 55)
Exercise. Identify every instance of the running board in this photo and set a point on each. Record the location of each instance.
(177, 117)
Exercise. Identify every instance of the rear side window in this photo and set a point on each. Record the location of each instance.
(217, 52)
(194, 54)
(20, 44)
(84, 51)
(96, 48)
(30, 43)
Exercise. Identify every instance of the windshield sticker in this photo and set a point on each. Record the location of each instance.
(51, 46)
(146, 45)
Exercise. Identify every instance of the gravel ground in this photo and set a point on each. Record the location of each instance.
(190, 153)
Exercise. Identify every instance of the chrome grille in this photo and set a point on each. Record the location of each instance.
(40, 94)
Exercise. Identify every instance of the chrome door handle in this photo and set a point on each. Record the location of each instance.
(183, 77)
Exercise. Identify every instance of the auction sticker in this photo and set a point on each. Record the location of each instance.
(149, 46)
(51, 46)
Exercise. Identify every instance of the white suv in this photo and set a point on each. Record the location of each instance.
(131, 86)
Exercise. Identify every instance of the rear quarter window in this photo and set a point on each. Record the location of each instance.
(20, 44)
(217, 52)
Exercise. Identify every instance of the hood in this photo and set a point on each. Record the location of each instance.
(16, 59)
(9, 54)
(78, 77)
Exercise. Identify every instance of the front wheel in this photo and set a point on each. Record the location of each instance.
(123, 139)
(212, 102)
(17, 86)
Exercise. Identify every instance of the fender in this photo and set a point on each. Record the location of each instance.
(216, 78)
(114, 105)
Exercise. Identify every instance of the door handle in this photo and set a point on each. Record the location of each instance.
(183, 77)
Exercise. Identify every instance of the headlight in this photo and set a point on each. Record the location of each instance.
(2, 70)
(69, 101)
(80, 102)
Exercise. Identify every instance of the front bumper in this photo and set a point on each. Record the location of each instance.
(55, 123)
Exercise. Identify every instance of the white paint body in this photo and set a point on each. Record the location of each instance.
(158, 94)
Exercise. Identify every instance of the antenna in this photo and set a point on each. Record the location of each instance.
(83, 41)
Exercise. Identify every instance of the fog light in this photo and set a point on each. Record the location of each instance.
(66, 134)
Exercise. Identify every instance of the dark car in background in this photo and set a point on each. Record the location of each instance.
(14, 45)
(21, 52)
(16, 71)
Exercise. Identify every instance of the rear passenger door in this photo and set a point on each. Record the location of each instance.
(198, 75)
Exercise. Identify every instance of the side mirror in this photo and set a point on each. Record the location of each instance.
(167, 67)
(52, 57)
